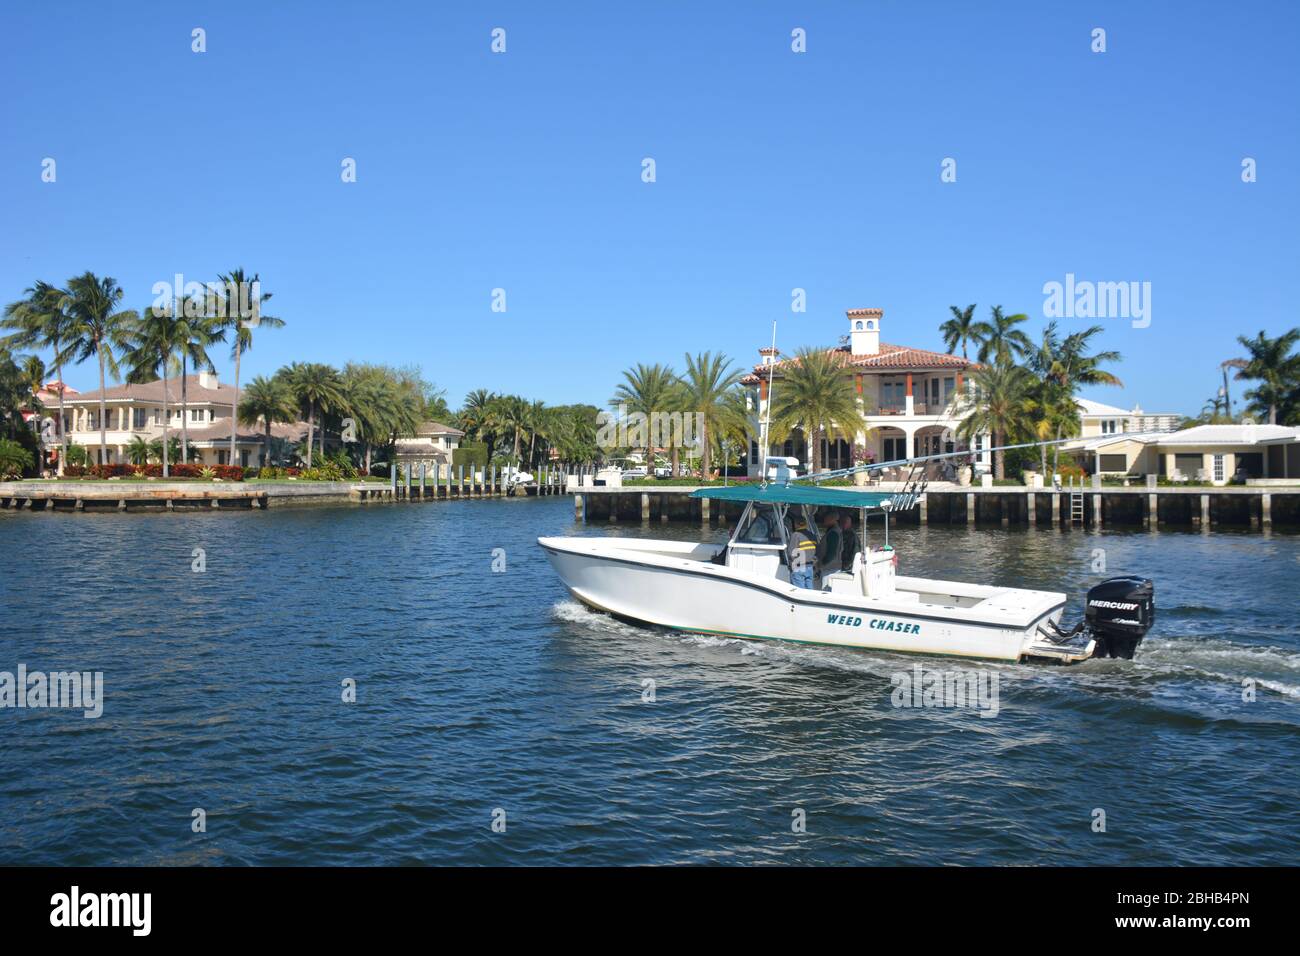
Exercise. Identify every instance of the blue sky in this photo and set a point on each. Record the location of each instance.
(775, 170)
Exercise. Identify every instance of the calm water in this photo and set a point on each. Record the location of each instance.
(481, 690)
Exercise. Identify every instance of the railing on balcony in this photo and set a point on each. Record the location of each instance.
(918, 408)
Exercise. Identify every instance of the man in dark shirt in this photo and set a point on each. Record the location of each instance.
(832, 543)
(851, 544)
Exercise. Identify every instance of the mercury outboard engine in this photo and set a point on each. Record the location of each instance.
(1118, 614)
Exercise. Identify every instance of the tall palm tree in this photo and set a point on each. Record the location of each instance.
(475, 418)
(648, 390)
(241, 327)
(1233, 363)
(39, 320)
(198, 326)
(1003, 408)
(268, 400)
(318, 388)
(97, 327)
(1067, 367)
(961, 329)
(1000, 340)
(708, 382)
(1270, 362)
(152, 345)
(538, 416)
(510, 419)
(816, 397)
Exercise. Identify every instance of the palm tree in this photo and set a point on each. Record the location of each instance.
(475, 418)
(708, 383)
(1065, 366)
(41, 321)
(647, 390)
(198, 326)
(1271, 363)
(1003, 408)
(1000, 339)
(241, 327)
(1233, 363)
(538, 417)
(97, 327)
(817, 398)
(960, 329)
(153, 342)
(269, 400)
(140, 450)
(317, 389)
(510, 416)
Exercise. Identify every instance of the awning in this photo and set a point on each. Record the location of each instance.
(796, 495)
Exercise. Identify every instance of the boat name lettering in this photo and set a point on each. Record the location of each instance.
(876, 623)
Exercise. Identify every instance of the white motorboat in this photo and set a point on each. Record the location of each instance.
(743, 589)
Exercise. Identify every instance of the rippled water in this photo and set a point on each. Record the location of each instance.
(481, 690)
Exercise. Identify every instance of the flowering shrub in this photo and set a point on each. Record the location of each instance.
(273, 472)
(224, 472)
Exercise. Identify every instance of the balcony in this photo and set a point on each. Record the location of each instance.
(918, 409)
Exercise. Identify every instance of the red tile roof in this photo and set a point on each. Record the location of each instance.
(890, 357)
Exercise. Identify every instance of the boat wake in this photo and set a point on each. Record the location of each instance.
(1197, 668)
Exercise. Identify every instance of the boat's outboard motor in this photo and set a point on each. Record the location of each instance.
(1119, 612)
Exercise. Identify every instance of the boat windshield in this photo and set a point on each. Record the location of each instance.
(760, 524)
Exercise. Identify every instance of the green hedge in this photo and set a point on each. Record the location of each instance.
(471, 453)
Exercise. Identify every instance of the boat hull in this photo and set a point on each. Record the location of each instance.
(667, 584)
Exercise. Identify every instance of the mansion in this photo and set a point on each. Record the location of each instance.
(908, 397)
(136, 411)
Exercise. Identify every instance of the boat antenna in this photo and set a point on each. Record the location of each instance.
(767, 412)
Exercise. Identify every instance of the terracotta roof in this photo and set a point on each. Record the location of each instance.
(889, 357)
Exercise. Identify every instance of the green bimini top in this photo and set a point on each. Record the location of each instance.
(796, 495)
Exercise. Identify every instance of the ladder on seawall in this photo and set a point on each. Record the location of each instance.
(1076, 503)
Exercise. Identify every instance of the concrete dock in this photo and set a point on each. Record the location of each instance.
(999, 506)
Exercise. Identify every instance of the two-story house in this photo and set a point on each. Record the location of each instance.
(133, 411)
(907, 396)
(431, 445)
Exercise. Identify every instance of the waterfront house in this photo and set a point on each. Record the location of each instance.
(1260, 454)
(907, 395)
(133, 411)
(1098, 418)
(431, 445)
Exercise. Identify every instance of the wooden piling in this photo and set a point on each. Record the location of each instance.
(970, 508)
